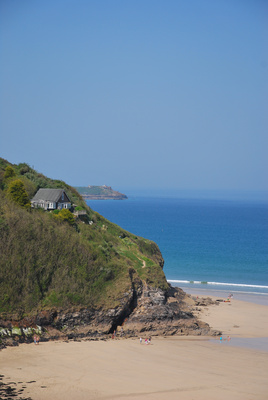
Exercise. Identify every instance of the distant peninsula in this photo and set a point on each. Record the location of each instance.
(100, 193)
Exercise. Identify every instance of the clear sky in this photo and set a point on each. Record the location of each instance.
(137, 94)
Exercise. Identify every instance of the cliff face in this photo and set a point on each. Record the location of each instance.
(143, 311)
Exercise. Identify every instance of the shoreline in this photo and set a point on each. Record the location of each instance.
(243, 319)
(240, 316)
(259, 296)
(184, 367)
(249, 297)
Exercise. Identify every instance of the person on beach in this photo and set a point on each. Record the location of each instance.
(37, 339)
(34, 339)
(140, 340)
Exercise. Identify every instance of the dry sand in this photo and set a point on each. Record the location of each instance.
(181, 368)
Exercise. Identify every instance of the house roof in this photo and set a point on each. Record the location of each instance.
(49, 195)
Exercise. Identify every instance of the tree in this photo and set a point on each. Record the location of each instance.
(16, 190)
(9, 172)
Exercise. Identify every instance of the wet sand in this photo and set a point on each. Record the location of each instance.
(239, 318)
(169, 368)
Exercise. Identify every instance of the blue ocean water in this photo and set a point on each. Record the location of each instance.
(210, 244)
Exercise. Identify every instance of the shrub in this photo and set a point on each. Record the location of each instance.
(66, 215)
(56, 212)
(9, 172)
(23, 168)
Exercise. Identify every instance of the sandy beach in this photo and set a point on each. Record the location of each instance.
(169, 368)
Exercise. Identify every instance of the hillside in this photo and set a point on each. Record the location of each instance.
(100, 193)
(78, 276)
(39, 250)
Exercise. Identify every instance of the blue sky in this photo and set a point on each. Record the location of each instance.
(137, 94)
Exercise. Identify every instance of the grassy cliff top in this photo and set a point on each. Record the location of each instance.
(49, 260)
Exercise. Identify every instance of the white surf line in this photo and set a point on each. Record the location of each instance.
(219, 283)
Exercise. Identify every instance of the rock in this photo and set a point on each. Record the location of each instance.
(142, 309)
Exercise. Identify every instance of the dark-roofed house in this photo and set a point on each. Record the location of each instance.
(51, 199)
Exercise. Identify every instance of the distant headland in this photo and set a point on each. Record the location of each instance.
(100, 193)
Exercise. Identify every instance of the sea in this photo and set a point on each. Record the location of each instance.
(208, 245)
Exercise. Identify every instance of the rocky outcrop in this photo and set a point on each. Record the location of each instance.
(142, 310)
(160, 313)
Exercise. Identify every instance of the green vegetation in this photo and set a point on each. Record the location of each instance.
(51, 259)
(65, 215)
(9, 172)
(17, 192)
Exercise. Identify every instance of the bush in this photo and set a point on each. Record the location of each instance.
(66, 215)
(23, 168)
(9, 172)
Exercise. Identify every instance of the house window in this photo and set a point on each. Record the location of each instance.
(62, 196)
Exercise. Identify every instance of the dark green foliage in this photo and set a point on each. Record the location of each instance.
(23, 168)
(9, 172)
(16, 191)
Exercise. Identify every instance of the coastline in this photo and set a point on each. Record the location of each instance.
(249, 297)
(172, 367)
(243, 319)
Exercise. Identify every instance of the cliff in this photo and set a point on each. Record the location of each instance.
(68, 276)
(100, 193)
